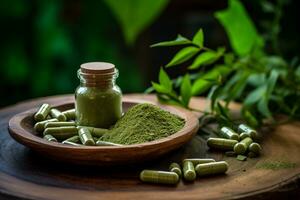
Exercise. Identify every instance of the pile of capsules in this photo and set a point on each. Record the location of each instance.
(191, 168)
(57, 126)
(241, 145)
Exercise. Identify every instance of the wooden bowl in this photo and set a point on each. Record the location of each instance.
(21, 129)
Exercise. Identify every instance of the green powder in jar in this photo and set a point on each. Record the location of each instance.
(143, 123)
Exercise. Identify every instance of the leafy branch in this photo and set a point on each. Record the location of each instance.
(264, 83)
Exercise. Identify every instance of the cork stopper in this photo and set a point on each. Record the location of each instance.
(97, 68)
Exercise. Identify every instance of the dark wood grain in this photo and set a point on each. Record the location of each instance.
(26, 174)
(21, 129)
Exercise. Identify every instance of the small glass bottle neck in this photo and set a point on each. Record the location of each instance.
(102, 81)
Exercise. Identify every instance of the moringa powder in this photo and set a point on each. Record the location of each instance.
(143, 123)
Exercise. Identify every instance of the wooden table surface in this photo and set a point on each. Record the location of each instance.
(25, 174)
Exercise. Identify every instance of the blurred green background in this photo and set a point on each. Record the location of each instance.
(43, 42)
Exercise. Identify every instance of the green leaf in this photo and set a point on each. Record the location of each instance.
(201, 85)
(183, 55)
(186, 90)
(160, 88)
(250, 118)
(164, 79)
(199, 38)
(272, 81)
(239, 27)
(180, 40)
(134, 15)
(204, 58)
(263, 107)
(255, 95)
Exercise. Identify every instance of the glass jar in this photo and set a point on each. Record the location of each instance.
(98, 100)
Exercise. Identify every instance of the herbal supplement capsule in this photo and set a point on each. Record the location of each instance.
(74, 139)
(243, 135)
(229, 133)
(162, 177)
(86, 137)
(42, 112)
(189, 173)
(255, 148)
(242, 146)
(221, 143)
(211, 168)
(244, 128)
(175, 167)
(61, 133)
(59, 124)
(96, 132)
(50, 138)
(103, 143)
(197, 161)
(70, 114)
(40, 126)
(57, 114)
(71, 143)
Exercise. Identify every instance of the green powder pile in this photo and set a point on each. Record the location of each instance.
(143, 123)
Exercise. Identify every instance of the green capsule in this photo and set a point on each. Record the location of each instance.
(241, 147)
(85, 137)
(70, 114)
(251, 132)
(96, 132)
(42, 112)
(175, 167)
(57, 114)
(50, 138)
(59, 124)
(221, 143)
(243, 135)
(197, 161)
(71, 143)
(74, 139)
(211, 168)
(255, 148)
(103, 143)
(61, 133)
(229, 133)
(189, 173)
(40, 126)
(162, 177)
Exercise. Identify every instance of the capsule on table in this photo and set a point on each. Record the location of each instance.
(40, 126)
(50, 138)
(70, 114)
(229, 133)
(197, 161)
(211, 168)
(59, 124)
(57, 114)
(255, 148)
(61, 133)
(42, 112)
(241, 147)
(104, 143)
(85, 137)
(221, 143)
(250, 131)
(96, 132)
(71, 143)
(74, 139)
(243, 135)
(189, 173)
(175, 167)
(161, 177)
